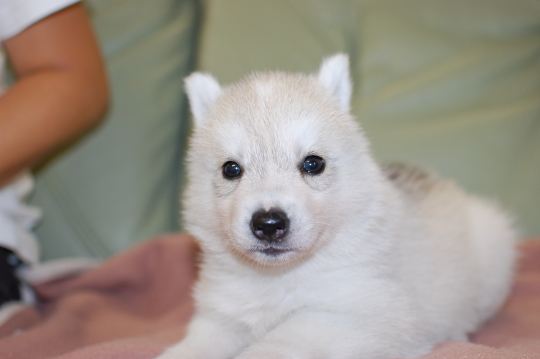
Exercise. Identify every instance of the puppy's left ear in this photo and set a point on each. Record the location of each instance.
(334, 76)
(203, 90)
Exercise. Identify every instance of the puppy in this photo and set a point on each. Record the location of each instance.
(313, 250)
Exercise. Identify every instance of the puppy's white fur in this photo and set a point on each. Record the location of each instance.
(380, 262)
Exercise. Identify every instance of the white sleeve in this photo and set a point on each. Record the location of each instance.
(17, 15)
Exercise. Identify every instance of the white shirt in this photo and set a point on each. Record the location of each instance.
(16, 218)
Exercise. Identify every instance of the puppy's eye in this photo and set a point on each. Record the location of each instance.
(231, 170)
(313, 165)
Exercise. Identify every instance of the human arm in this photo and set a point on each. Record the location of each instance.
(61, 91)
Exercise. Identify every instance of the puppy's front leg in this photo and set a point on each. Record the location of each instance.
(328, 335)
(208, 338)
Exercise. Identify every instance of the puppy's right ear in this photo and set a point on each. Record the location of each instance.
(203, 90)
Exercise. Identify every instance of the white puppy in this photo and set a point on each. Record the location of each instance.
(311, 249)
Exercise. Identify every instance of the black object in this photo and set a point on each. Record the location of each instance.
(9, 283)
(270, 226)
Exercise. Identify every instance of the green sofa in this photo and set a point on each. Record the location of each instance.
(452, 85)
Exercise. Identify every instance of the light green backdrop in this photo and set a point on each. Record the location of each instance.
(120, 184)
(453, 85)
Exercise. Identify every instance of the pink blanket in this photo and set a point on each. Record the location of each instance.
(137, 303)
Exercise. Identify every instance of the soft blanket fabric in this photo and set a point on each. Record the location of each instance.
(137, 303)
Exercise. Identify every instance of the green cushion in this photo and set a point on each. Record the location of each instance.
(453, 85)
(120, 184)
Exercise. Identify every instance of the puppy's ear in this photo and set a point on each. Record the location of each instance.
(203, 90)
(334, 76)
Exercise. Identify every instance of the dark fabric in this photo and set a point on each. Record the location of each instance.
(9, 283)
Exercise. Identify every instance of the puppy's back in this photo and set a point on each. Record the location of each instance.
(459, 250)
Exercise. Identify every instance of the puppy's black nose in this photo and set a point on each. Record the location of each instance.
(270, 226)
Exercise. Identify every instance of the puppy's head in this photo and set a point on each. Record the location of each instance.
(276, 163)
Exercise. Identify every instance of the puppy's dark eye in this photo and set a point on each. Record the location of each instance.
(231, 170)
(313, 165)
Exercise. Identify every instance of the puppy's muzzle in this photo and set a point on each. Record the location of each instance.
(270, 226)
